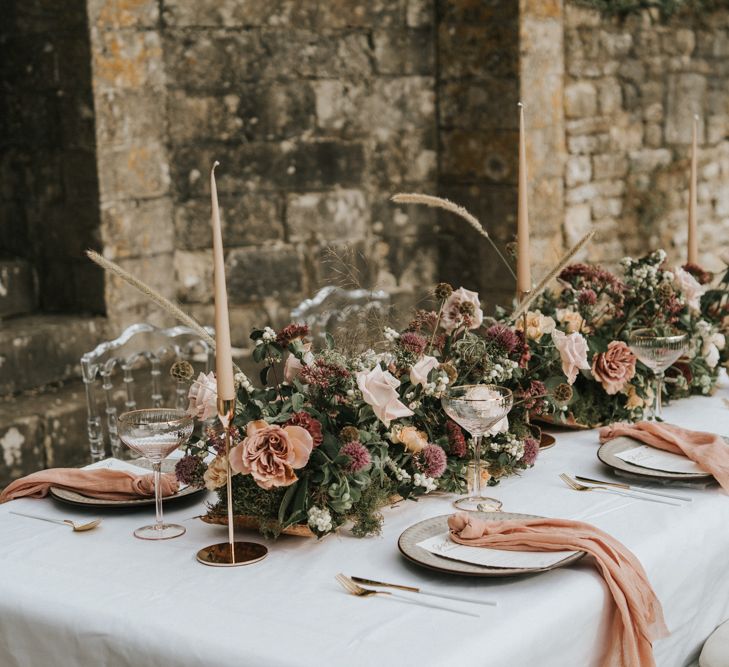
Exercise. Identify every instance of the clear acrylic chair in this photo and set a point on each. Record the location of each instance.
(140, 348)
(333, 308)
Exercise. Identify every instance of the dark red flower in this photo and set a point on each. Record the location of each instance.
(309, 423)
(503, 336)
(291, 332)
(456, 440)
(323, 374)
(531, 451)
(413, 342)
(217, 441)
(702, 276)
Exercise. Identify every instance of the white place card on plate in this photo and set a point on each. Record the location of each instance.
(442, 545)
(646, 456)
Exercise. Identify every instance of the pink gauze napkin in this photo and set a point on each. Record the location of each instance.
(709, 450)
(103, 484)
(638, 618)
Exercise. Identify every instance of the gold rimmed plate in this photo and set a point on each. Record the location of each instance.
(608, 454)
(437, 525)
(75, 498)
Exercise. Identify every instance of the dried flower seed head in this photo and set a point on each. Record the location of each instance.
(182, 370)
(349, 434)
(511, 249)
(562, 394)
(665, 290)
(450, 371)
(443, 291)
(466, 308)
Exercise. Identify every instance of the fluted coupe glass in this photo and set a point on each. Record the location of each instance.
(155, 434)
(477, 408)
(658, 353)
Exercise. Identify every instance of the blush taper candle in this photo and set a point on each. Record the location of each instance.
(523, 258)
(223, 352)
(693, 241)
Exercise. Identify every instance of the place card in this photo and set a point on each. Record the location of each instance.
(117, 464)
(442, 545)
(649, 457)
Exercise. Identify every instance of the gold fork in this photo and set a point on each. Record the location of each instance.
(77, 527)
(582, 487)
(359, 591)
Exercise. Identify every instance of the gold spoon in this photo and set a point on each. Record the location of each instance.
(77, 527)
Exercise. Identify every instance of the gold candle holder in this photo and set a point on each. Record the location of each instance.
(230, 553)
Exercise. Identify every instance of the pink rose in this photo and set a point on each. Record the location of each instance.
(379, 389)
(572, 350)
(615, 367)
(453, 315)
(271, 454)
(691, 288)
(203, 397)
(419, 372)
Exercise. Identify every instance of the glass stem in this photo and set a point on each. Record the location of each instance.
(157, 467)
(477, 440)
(658, 410)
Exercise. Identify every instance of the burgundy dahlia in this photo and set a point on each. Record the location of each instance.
(323, 374)
(309, 423)
(587, 297)
(291, 332)
(359, 456)
(503, 336)
(434, 460)
(456, 440)
(531, 451)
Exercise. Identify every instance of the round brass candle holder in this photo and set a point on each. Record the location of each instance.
(244, 553)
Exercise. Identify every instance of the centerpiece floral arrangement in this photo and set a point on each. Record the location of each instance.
(581, 330)
(332, 437)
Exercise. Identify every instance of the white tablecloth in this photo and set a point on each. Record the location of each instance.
(106, 598)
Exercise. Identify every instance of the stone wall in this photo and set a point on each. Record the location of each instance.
(49, 209)
(632, 87)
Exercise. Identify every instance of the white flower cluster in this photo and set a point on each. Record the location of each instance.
(648, 272)
(438, 387)
(391, 335)
(501, 372)
(320, 519)
(369, 359)
(241, 380)
(712, 342)
(269, 335)
(509, 444)
(428, 483)
(412, 404)
(401, 475)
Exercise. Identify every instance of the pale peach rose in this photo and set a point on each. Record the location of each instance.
(379, 389)
(217, 473)
(634, 401)
(570, 319)
(419, 372)
(270, 454)
(615, 367)
(572, 350)
(294, 366)
(203, 397)
(691, 289)
(536, 325)
(414, 440)
(452, 318)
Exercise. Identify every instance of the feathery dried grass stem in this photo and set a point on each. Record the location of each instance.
(535, 292)
(153, 295)
(447, 205)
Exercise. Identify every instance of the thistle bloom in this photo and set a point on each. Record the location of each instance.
(358, 454)
(434, 460)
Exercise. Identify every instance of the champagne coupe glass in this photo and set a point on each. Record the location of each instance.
(477, 408)
(155, 434)
(658, 353)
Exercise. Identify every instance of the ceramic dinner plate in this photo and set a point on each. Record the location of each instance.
(607, 453)
(408, 545)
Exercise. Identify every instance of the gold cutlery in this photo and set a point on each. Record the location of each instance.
(358, 591)
(618, 492)
(77, 527)
(637, 489)
(422, 591)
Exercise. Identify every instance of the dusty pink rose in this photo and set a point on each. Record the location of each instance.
(572, 350)
(419, 372)
(203, 397)
(293, 366)
(379, 389)
(615, 367)
(271, 454)
(452, 317)
(691, 288)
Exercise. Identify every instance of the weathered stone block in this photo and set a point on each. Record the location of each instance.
(577, 222)
(194, 276)
(404, 53)
(489, 155)
(17, 288)
(473, 50)
(338, 107)
(649, 159)
(258, 273)
(580, 100)
(338, 215)
(686, 94)
(613, 165)
(139, 227)
(130, 172)
(246, 219)
(116, 14)
(606, 208)
(127, 116)
(213, 13)
(577, 170)
(611, 96)
(479, 104)
(127, 59)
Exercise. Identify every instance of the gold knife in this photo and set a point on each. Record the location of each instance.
(423, 591)
(637, 489)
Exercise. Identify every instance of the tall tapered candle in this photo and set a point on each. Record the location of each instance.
(693, 241)
(223, 353)
(523, 259)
